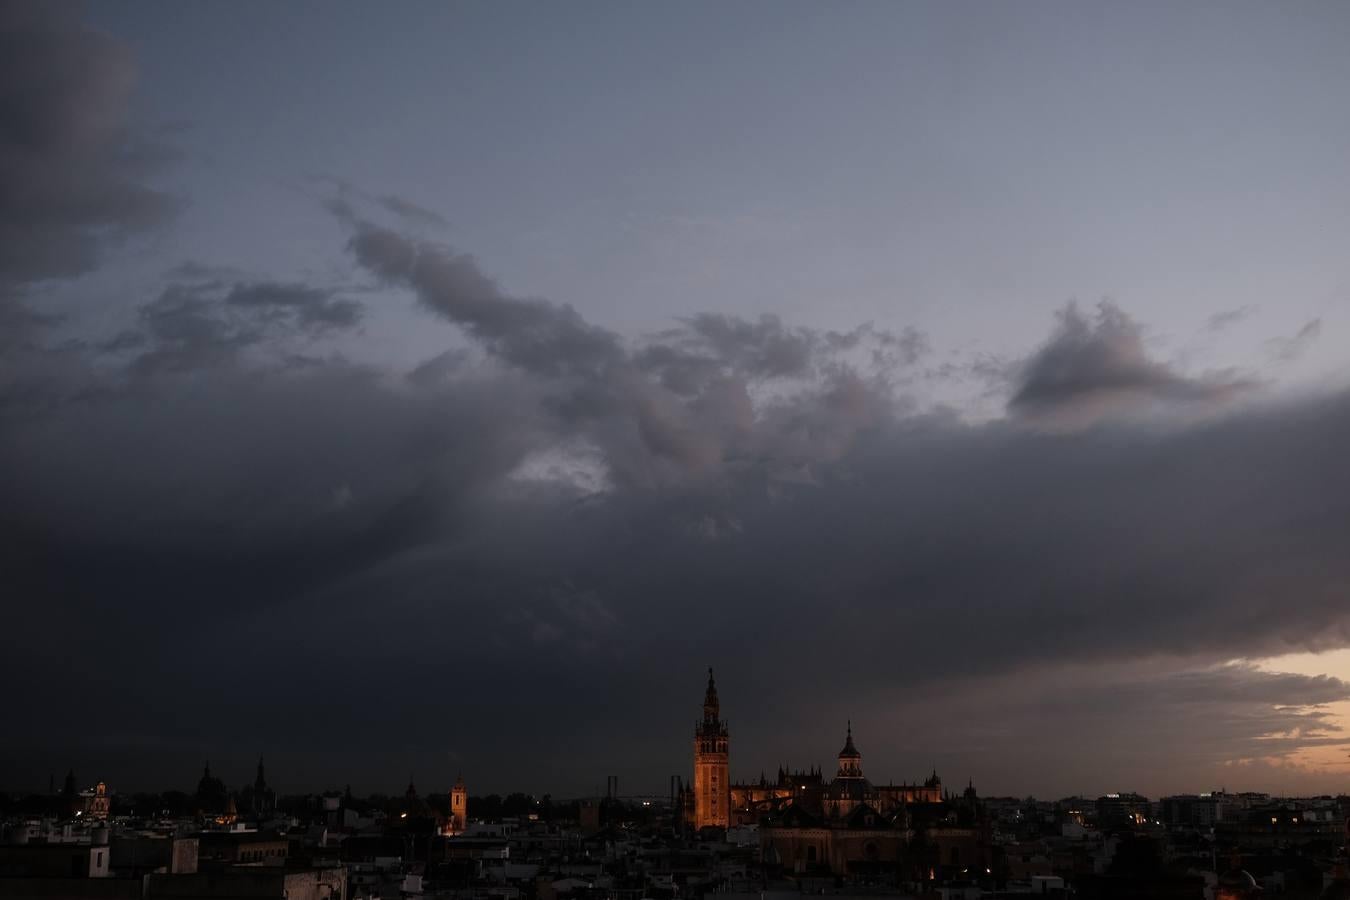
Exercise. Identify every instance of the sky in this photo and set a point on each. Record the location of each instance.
(442, 388)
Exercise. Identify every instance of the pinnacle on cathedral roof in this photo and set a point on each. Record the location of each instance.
(849, 751)
(711, 707)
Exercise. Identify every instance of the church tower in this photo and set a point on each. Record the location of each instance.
(459, 808)
(712, 789)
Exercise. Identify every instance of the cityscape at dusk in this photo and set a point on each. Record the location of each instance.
(414, 417)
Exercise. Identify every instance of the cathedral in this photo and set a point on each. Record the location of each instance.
(843, 825)
(715, 801)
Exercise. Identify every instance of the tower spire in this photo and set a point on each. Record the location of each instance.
(711, 707)
(850, 760)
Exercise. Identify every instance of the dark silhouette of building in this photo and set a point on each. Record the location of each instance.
(258, 800)
(211, 797)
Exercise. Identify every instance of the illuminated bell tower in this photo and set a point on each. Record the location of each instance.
(712, 790)
(459, 808)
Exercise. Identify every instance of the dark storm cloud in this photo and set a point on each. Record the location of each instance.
(569, 505)
(826, 524)
(819, 520)
(231, 531)
(1097, 366)
(68, 168)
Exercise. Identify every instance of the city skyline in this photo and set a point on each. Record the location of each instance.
(732, 778)
(443, 389)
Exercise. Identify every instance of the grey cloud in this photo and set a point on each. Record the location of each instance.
(992, 373)
(1289, 349)
(709, 347)
(440, 368)
(904, 349)
(888, 351)
(712, 345)
(765, 347)
(311, 306)
(411, 212)
(536, 335)
(20, 323)
(1096, 367)
(67, 180)
(1228, 317)
(690, 421)
(202, 324)
(186, 332)
(123, 341)
(347, 201)
(679, 370)
(194, 271)
(696, 416)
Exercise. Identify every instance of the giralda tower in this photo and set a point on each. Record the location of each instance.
(712, 789)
